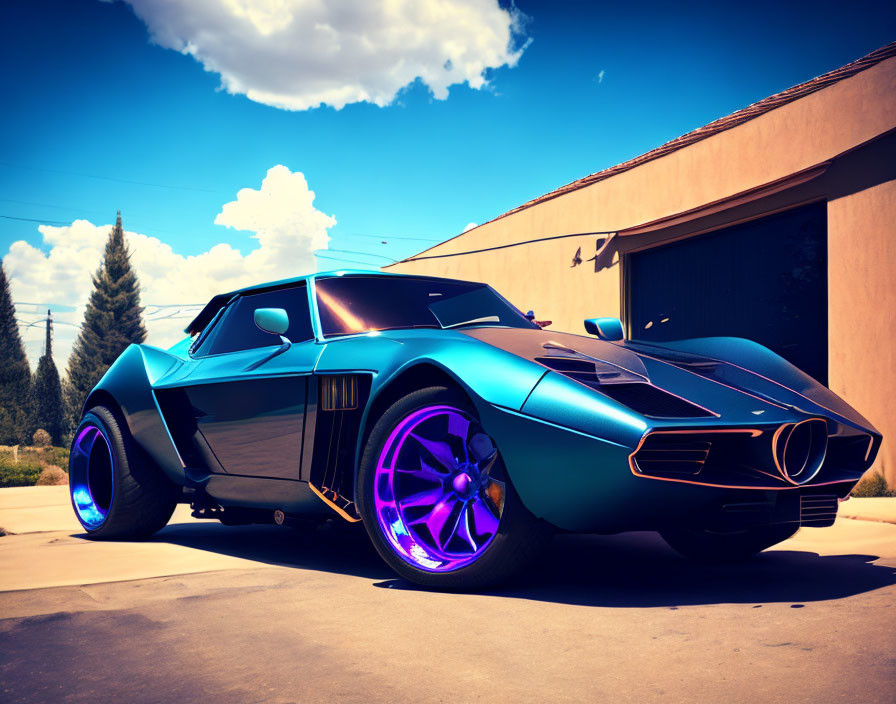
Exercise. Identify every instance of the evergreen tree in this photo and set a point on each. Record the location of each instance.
(15, 375)
(113, 320)
(47, 392)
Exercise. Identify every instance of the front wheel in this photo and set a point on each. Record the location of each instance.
(436, 499)
(709, 546)
(116, 491)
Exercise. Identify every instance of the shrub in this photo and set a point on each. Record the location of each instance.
(41, 438)
(55, 455)
(22, 473)
(872, 485)
(52, 475)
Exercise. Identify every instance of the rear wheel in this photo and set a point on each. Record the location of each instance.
(116, 491)
(709, 546)
(436, 499)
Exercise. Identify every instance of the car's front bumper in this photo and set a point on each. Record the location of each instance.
(583, 483)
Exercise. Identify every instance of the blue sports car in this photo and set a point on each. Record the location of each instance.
(459, 431)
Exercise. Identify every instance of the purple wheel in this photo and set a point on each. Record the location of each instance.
(435, 497)
(91, 480)
(116, 492)
(436, 500)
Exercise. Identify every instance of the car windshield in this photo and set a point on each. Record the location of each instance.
(352, 304)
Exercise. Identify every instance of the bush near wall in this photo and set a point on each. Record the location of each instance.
(874, 484)
(31, 463)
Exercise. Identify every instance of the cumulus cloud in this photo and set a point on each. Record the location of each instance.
(470, 226)
(300, 54)
(281, 215)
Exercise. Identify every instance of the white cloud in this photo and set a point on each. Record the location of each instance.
(470, 226)
(600, 76)
(281, 214)
(299, 54)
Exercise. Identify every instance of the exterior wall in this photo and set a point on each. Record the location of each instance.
(862, 309)
(789, 139)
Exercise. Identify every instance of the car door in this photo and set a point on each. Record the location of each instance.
(243, 397)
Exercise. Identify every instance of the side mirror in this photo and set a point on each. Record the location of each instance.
(609, 329)
(272, 320)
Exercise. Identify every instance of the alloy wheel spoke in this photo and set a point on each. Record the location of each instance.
(436, 519)
(423, 498)
(439, 451)
(458, 426)
(462, 530)
(424, 471)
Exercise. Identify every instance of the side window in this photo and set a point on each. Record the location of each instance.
(238, 331)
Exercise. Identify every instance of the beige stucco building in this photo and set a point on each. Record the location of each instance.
(776, 223)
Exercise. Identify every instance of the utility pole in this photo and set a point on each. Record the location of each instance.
(48, 344)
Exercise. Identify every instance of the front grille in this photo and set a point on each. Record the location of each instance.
(818, 510)
(671, 454)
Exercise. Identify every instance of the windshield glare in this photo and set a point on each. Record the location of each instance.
(353, 304)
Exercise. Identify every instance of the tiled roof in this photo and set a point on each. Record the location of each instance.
(722, 124)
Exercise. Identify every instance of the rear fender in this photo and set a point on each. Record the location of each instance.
(128, 382)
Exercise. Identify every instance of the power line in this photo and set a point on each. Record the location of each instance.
(387, 237)
(108, 178)
(47, 205)
(504, 246)
(340, 259)
(363, 254)
(42, 222)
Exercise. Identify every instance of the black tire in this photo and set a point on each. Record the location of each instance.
(140, 500)
(709, 546)
(520, 538)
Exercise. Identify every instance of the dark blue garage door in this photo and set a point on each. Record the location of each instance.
(765, 280)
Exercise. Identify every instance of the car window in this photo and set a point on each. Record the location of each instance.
(353, 304)
(203, 341)
(237, 329)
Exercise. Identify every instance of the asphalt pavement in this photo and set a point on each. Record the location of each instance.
(208, 613)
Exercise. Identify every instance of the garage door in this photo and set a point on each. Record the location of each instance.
(765, 280)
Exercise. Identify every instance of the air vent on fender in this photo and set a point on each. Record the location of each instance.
(338, 393)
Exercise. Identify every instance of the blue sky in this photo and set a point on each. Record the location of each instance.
(87, 94)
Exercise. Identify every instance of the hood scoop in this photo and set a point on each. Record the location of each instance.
(623, 385)
(585, 368)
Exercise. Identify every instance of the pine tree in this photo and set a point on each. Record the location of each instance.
(47, 392)
(15, 375)
(113, 320)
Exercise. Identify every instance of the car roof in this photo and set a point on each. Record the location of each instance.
(218, 302)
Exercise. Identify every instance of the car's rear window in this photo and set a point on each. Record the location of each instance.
(354, 304)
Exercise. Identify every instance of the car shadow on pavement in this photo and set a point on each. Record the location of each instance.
(628, 570)
(640, 570)
(336, 547)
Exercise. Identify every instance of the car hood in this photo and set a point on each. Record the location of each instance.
(735, 378)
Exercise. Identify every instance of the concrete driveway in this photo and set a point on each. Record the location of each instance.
(204, 612)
